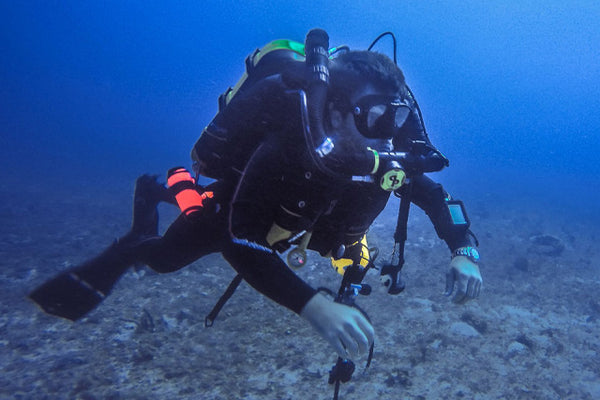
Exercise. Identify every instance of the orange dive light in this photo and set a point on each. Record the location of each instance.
(186, 192)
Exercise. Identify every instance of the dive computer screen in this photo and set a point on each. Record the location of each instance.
(457, 212)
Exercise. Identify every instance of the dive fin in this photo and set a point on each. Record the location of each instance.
(67, 296)
(148, 193)
(77, 291)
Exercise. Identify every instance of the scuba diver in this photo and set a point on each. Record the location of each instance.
(305, 152)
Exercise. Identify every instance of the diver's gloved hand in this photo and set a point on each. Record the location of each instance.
(344, 327)
(465, 274)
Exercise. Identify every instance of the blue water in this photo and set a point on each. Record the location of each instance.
(509, 92)
(93, 94)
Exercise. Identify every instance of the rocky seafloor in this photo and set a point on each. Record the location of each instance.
(533, 334)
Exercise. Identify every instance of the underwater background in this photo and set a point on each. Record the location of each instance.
(95, 93)
(101, 89)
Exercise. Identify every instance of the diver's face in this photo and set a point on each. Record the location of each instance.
(345, 131)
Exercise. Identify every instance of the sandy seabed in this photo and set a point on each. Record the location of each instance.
(533, 334)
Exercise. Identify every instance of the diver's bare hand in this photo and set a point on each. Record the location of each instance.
(344, 327)
(465, 275)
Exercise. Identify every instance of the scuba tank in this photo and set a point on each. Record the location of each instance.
(249, 109)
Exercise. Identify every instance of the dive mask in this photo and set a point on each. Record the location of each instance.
(379, 117)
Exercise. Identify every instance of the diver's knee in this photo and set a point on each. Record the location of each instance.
(164, 267)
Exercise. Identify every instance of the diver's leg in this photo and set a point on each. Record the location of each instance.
(78, 290)
(187, 239)
(192, 235)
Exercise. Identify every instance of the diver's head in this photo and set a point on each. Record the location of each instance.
(352, 69)
(366, 96)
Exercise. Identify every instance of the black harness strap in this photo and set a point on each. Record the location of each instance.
(401, 233)
(210, 318)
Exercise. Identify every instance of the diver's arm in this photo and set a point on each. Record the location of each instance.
(464, 272)
(269, 275)
(253, 209)
(431, 198)
(344, 327)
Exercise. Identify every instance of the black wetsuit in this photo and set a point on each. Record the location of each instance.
(190, 238)
(279, 184)
(261, 149)
(278, 187)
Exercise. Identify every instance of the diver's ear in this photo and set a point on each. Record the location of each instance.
(335, 117)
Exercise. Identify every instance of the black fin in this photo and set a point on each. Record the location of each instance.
(74, 293)
(148, 193)
(65, 296)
